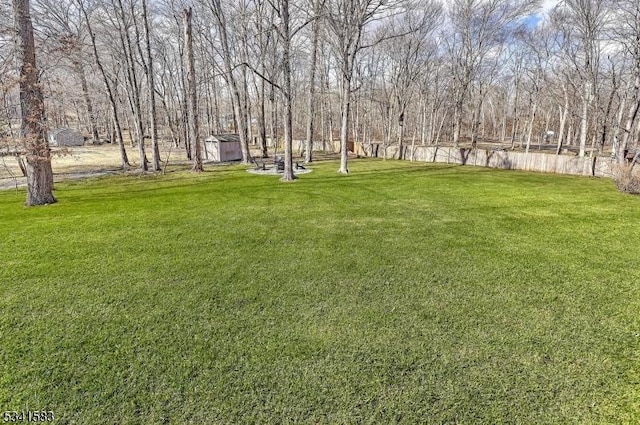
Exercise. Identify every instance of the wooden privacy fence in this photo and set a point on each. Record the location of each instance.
(509, 160)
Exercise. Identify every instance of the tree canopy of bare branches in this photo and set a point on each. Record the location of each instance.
(305, 73)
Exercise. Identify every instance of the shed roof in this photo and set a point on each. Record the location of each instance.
(57, 131)
(224, 138)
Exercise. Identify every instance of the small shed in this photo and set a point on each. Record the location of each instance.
(65, 137)
(223, 147)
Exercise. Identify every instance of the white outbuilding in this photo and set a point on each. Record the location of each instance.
(222, 148)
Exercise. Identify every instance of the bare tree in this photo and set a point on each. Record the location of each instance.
(263, 41)
(192, 97)
(284, 32)
(408, 55)
(217, 9)
(123, 24)
(347, 20)
(315, 33)
(479, 27)
(582, 23)
(629, 35)
(33, 129)
(538, 46)
(150, 73)
(62, 27)
(108, 87)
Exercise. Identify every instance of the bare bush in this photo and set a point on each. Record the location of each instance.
(627, 179)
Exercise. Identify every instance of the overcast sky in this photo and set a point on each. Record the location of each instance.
(547, 5)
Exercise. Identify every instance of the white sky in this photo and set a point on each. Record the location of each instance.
(542, 14)
(547, 5)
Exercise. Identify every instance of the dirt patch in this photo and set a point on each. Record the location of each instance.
(94, 161)
(84, 161)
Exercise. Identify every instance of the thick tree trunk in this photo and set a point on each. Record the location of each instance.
(185, 120)
(584, 119)
(33, 128)
(423, 122)
(262, 124)
(273, 120)
(216, 106)
(631, 118)
(288, 113)
(344, 128)
(475, 126)
(400, 132)
(615, 141)
(192, 97)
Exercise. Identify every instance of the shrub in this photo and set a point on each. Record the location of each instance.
(627, 179)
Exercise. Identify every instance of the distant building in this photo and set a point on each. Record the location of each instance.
(548, 137)
(223, 148)
(65, 137)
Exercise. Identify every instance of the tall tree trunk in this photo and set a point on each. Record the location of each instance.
(132, 85)
(631, 117)
(312, 85)
(77, 65)
(534, 110)
(239, 107)
(273, 119)
(516, 113)
(288, 113)
(216, 106)
(423, 121)
(207, 101)
(564, 112)
(457, 122)
(584, 119)
(605, 122)
(475, 126)
(615, 141)
(400, 132)
(503, 124)
(330, 115)
(192, 97)
(33, 128)
(344, 127)
(246, 99)
(262, 124)
(124, 159)
(152, 92)
(185, 118)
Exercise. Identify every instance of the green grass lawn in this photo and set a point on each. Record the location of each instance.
(402, 293)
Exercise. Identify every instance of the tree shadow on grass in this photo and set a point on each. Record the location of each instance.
(129, 184)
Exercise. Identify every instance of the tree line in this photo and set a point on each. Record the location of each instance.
(460, 72)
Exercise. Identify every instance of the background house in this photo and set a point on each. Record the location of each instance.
(65, 137)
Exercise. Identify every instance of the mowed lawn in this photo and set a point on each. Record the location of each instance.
(402, 293)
